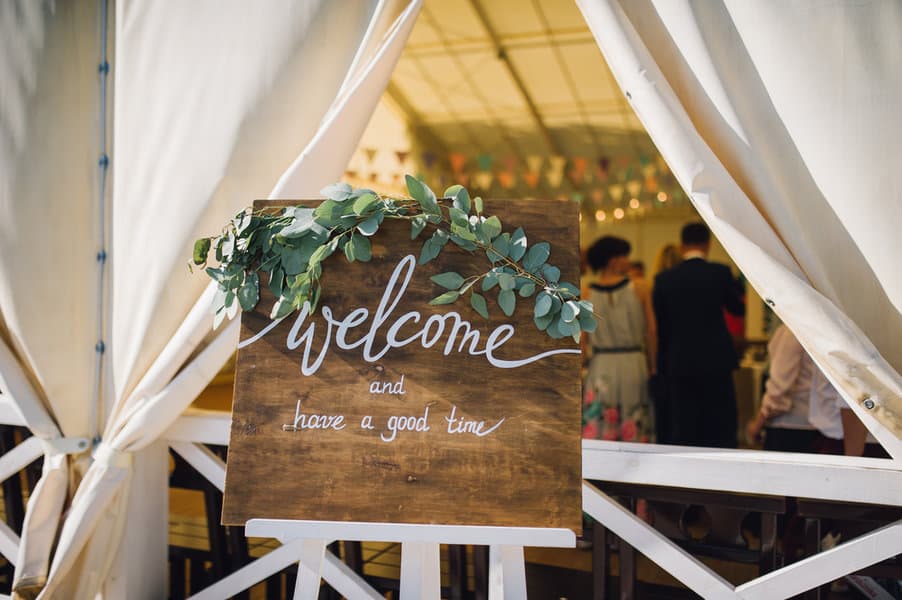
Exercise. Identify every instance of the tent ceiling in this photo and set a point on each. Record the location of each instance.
(452, 82)
(513, 98)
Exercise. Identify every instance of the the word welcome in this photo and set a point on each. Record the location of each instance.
(376, 344)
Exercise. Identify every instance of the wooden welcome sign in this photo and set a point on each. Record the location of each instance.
(434, 415)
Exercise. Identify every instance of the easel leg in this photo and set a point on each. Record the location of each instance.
(507, 573)
(310, 570)
(420, 575)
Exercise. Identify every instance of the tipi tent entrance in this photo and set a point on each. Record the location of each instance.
(771, 166)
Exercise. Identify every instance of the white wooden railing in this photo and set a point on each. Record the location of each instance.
(850, 479)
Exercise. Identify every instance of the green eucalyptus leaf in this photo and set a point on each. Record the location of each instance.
(364, 203)
(459, 217)
(446, 298)
(551, 273)
(201, 249)
(507, 300)
(506, 281)
(363, 249)
(276, 281)
(587, 320)
(489, 281)
(536, 256)
(463, 232)
(449, 280)
(477, 301)
(430, 251)
(417, 224)
(500, 248)
(527, 290)
(249, 292)
(302, 223)
(544, 321)
(370, 226)
(320, 254)
(328, 213)
(477, 201)
(293, 261)
(569, 311)
(337, 191)
(420, 192)
(568, 290)
(465, 244)
(460, 197)
(215, 273)
(543, 304)
(492, 227)
(518, 244)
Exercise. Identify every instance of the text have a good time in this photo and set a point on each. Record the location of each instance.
(395, 424)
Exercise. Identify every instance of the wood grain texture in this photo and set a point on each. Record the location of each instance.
(525, 473)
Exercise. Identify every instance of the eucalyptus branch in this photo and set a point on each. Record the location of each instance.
(291, 246)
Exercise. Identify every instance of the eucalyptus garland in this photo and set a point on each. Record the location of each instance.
(291, 244)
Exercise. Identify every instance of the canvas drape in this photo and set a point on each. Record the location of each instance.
(213, 102)
(780, 120)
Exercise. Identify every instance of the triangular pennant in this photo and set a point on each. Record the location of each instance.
(616, 192)
(634, 186)
(461, 179)
(534, 163)
(458, 161)
(428, 159)
(402, 155)
(510, 162)
(507, 179)
(531, 178)
(557, 164)
(485, 162)
(554, 177)
(370, 154)
(483, 179)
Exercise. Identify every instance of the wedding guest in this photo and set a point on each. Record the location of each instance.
(793, 379)
(696, 355)
(622, 348)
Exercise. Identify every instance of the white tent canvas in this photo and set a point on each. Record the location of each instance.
(778, 119)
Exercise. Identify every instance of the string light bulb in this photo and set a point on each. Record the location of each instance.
(618, 213)
(662, 197)
(634, 203)
(600, 215)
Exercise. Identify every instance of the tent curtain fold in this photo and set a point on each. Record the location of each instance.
(191, 147)
(736, 129)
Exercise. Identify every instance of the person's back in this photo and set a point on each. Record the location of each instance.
(689, 302)
(695, 351)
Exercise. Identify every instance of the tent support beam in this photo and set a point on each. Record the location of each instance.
(501, 53)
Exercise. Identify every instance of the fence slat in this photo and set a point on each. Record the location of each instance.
(644, 538)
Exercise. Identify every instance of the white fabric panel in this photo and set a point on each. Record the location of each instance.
(48, 224)
(48, 241)
(756, 106)
(161, 203)
(320, 163)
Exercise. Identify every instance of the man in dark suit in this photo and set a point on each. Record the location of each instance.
(696, 358)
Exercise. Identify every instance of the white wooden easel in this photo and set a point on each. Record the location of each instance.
(420, 577)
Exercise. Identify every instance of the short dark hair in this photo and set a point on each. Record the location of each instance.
(604, 249)
(695, 234)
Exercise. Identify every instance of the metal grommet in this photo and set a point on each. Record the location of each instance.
(770, 302)
(869, 404)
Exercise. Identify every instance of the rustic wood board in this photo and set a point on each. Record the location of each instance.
(526, 472)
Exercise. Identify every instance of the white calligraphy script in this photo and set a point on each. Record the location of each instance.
(460, 334)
